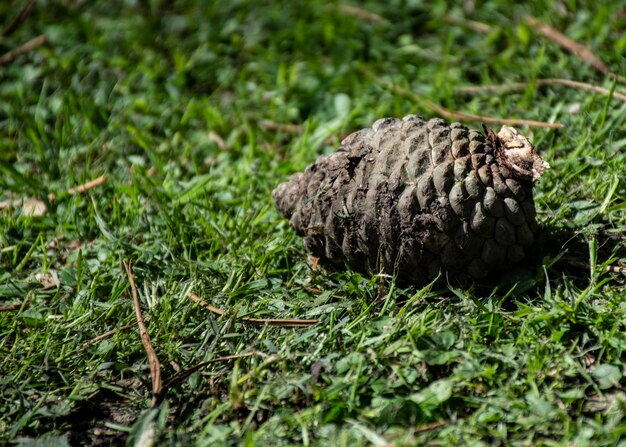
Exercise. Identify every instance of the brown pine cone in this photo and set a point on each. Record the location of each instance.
(418, 199)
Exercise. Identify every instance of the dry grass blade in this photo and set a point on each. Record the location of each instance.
(479, 27)
(28, 46)
(186, 373)
(313, 290)
(490, 120)
(19, 19)
(495, 88)
(450, 114)
(361, 14)
(280, 127)
(584, 53)
(106, 335)
(428, 427)
(10, 307)
(259, 321)
(153, 360)
(621, 269)
(218, 140)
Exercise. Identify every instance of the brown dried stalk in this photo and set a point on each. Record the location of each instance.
(450, 114)
(584, 53)
(186, 373)
(153, 360)
(430, 426)
(489, 120)
(10, 307)
(19, 19)
(259, 321)
(106, 335)
(495, 88)
(281, 127)
(479, 27)
(313, 290)
(28, 46)
(361, 14)
(621, 269)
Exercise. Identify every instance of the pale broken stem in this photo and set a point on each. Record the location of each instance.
(106, 335)
(153, 360)
(28, 46)
(461, 115)
(186, 373)
(259, 321)
(496, 88)
(91, 184)
(616, 269)
(584, 53)
(88, 185)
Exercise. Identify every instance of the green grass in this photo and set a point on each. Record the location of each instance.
(133, 92)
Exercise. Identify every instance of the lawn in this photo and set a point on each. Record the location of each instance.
(140, 143)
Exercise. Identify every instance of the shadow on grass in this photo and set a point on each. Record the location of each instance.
(91, 421)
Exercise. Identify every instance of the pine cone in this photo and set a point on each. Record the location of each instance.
(418, 199)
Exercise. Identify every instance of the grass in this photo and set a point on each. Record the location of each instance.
(138, 92)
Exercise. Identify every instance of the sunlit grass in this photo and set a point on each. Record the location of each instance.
(139, 94)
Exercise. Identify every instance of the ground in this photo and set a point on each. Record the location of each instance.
(193, 112)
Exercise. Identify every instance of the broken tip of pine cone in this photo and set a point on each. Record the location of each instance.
(517, 153)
